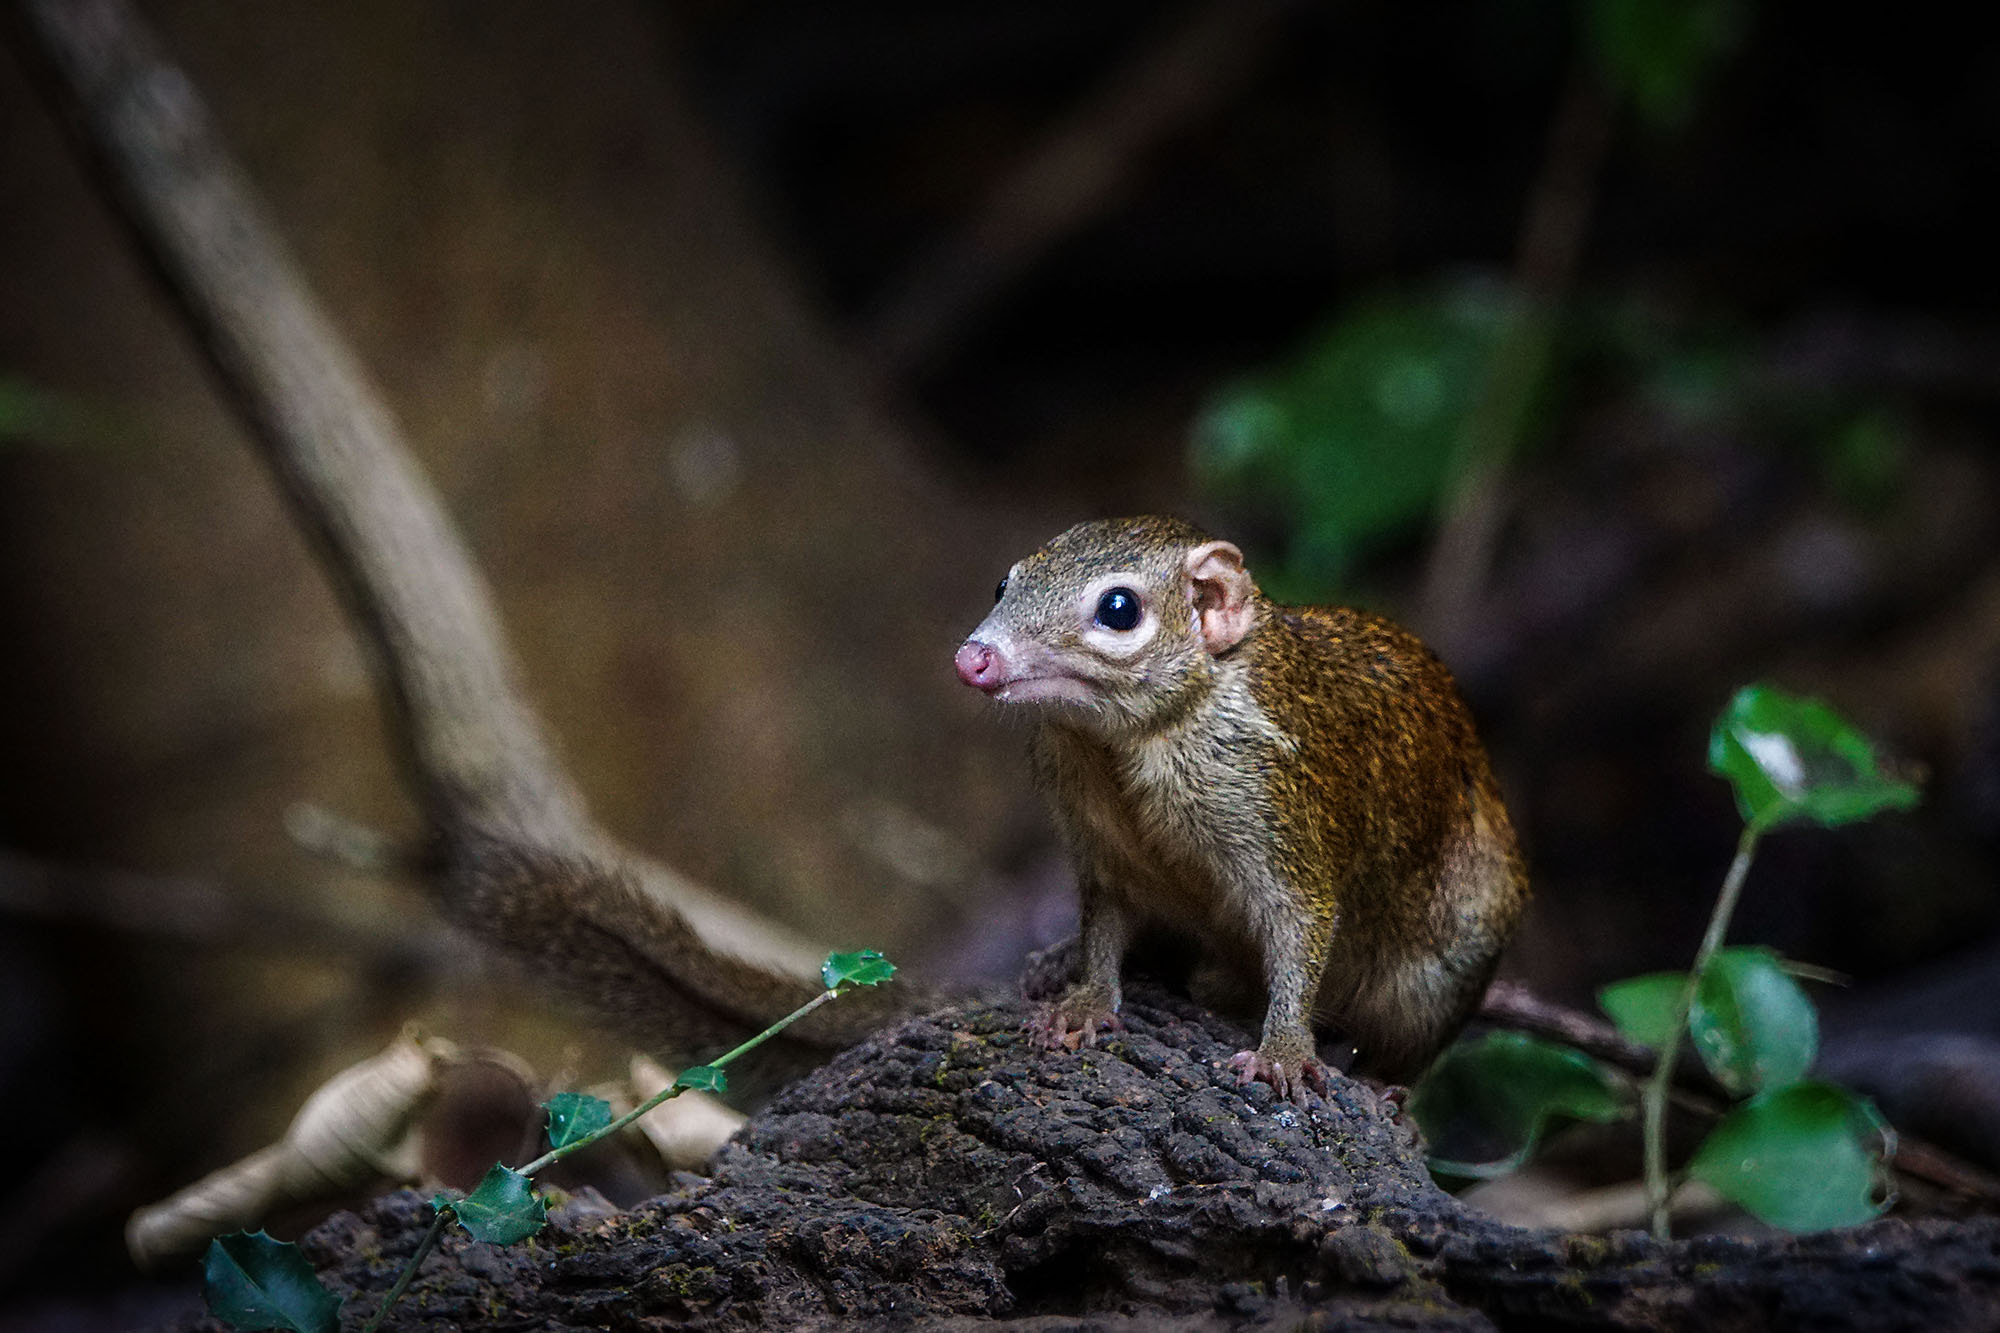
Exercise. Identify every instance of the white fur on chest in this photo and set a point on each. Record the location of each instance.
(1189, 819)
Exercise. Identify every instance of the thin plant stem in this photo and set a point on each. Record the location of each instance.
(445, 1212)
(409, 1273)
(674, 1089)
(1654, 1099)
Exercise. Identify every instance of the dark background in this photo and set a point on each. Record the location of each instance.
(750, 343)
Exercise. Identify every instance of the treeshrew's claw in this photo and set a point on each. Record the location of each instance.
(1294, 1081)
(1063, 1027)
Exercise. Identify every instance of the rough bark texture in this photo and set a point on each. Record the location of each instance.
(945, 1174)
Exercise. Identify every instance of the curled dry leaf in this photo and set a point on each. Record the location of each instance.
(358, 1128)
(686, 1130)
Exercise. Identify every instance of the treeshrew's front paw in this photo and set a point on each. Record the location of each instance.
(1075, 1020)
(1292, 1073)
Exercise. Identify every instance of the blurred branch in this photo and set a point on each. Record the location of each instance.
(474, 749)
(514, 855)
(1545, 264)
(211, 913)
(335, 838)
(1073, 177)
(1510, 1005)
(1848, 351)
(1513, 1006)
(1620, 1207)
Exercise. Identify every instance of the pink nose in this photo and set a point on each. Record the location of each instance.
(978, 665)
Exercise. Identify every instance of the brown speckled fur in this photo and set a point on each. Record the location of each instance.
(1311, 803)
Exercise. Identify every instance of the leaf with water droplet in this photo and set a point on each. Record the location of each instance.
(574, 1116)
(1754, 1026)
(703, 1078)
(1805, 1157)
(866, 968)
(1794, 759)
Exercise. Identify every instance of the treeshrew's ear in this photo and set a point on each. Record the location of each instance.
(1221, 591)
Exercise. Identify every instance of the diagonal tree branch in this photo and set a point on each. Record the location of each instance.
(516, 857)
(474, 750)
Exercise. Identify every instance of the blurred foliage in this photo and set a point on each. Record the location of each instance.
(1658, 54)
(1357, 439)
(1484, 1107)
(1865, 459)
(1368, 430)
(31, 414)
(26, 412)
(1711, 374)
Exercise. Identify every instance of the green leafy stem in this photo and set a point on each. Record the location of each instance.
(1795, 1153)
(1790, 760)
(254, 1282)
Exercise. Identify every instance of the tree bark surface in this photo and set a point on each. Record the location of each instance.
(945, 1174)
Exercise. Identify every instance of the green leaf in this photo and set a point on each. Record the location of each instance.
(253, 1281)
(1804, 1157)
(1357, 438)
(1644, 1008)
(32, 415)
(866, 968)
(1752, 1023)
(703, 1078)
(1866, 461)
(27, 412)
(574, 1116)
(1484, 1106)
(1792, 758)
(1659, 52)
(503, 1208)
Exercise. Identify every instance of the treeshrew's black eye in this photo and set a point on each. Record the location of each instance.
(999, 590)
(1118, 608)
